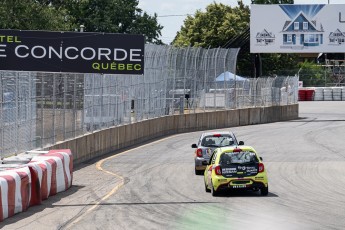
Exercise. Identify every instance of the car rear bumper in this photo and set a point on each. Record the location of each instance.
(201, 163)
(237, 184)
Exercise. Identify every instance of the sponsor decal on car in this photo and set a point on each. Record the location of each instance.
(228, 170)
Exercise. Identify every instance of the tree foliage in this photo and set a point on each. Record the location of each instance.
(214, 27)
(116, 16)
(279, 64)
(33, 15)
(311, 74)
(109, 16)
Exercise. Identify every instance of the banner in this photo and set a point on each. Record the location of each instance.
(71, 52)
(294, 28)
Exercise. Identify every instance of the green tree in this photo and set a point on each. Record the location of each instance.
(312, 74)
(109, 16)
(279, 64)
(214, 27)
(33, 15)
(114, 16)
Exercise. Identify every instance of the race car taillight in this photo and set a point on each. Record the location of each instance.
(198, 152)
(218, 170)
(237, 150)
(261, 167)
(217, 135)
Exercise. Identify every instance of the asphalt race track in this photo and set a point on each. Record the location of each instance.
(154, 187)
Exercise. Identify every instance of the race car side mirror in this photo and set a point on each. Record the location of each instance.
(241, 143)
(194, 146)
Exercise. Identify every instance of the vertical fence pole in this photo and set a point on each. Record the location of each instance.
(196, 57)
(213, 59)
(166, 79)
(29, 111)
(17, 123)
(54, 108)
(2, 127)
(64, 105)
(205, 75)
(42, 111)
(226, 92)
(101, 98)
(74, 113)
(185, 77)
(93, 95)
(130, 98)
(174, 55)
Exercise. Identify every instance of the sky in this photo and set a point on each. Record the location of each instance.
(172, 13)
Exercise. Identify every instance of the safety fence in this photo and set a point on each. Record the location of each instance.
(40, 109)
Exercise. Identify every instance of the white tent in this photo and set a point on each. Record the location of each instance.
(228, 76)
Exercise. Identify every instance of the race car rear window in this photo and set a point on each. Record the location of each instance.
(245, 157)
(221, 140)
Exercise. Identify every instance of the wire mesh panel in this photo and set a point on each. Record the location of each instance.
(18, 112)
(39, 109)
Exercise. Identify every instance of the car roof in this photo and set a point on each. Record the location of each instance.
(216, 132)
(231, 148)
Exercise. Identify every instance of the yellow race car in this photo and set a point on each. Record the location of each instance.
(235, 168)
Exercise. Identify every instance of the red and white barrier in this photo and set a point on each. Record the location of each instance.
(15, 194)
(39, 183)
(59, 167)
(26, 185)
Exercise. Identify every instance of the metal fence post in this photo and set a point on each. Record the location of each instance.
(181, 105)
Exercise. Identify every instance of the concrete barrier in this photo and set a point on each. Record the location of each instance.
(109, 140)
(254, 116)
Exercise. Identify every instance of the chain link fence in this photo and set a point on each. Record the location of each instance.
(40, 109)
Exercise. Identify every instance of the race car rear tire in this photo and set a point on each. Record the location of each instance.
(213, 191)
(198, 172)
(264, 191)
(207, 189)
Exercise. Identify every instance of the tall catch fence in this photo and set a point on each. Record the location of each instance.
(39, 109)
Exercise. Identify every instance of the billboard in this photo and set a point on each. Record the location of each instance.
(297, 28)
(71, 52)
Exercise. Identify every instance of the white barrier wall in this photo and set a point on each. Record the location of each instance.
(328, 93)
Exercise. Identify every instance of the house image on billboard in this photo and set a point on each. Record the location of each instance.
(265, 38)
(302, 32)
(337, 37)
